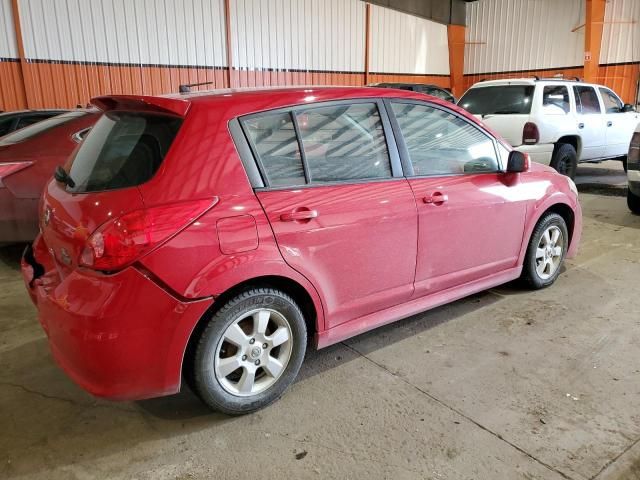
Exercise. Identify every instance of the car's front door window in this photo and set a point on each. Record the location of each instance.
(441, 143)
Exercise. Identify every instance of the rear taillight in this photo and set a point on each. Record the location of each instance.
(530, 134)
(633, 159)
(10, 168)
(125, 239)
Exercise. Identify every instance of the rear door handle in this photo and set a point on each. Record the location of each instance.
(299, 215)
(436, 198)
(609, 124)
(581, 125)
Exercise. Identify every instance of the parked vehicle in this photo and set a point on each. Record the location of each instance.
(557, 122)
(28, 158)
(427, 89)
(212, 234)
(12, 121)
(633, 173)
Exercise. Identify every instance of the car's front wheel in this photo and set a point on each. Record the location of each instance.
(250, 351)
(565, 160)
(633, 202)
(546, 251)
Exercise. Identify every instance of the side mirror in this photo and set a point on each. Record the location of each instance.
(518, 162)
(628, 108)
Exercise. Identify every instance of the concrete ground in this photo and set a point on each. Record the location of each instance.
(507, 384)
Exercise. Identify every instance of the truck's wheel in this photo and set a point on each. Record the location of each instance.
(565, 159)
(633, 201)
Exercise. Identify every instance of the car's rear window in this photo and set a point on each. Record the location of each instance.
(123, 149)
(498, 100)
(40, 127)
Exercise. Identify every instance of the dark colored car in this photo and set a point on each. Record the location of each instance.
(12, 121)
(427, 89)
(28, 158)
(213, 233)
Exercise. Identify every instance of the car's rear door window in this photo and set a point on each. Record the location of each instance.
(586, 100)
(123, 149)
(498, 100)
(555, 100)
(344, 142)
(274, 139)
(441, 143)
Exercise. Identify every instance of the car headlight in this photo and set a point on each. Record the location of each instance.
(572, 186)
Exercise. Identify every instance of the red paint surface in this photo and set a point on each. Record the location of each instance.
(21, 191)
(375, 252)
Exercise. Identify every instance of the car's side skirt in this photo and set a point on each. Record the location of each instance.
(392, 314)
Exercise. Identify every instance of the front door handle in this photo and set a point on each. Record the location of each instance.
(436, 198)
(581, 125)
(299, 215)
(609, 124)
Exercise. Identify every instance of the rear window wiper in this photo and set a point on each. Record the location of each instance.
(63, 177)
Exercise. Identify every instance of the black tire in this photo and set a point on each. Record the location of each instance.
(565, 159)
(530, 274)
(204, 380)
(633, 202)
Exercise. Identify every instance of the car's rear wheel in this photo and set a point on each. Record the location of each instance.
(546, 251)
(250, 351)
(565, 159)
(633, 202)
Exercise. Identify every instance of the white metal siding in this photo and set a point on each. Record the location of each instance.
(168, 32)
(8, 47)
(524, 35)
(402, 43)
(621, 40)
(298, 34)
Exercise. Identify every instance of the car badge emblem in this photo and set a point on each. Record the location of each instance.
(47, 216)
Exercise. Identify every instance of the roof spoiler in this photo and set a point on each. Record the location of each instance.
(174, 106)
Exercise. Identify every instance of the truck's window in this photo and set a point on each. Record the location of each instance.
(498, 100)
(612, 103)
(555, 100)
(586, 100)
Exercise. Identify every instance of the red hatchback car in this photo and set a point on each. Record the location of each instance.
(212, 234)
(28, 158)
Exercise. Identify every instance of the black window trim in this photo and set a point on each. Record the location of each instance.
(254, 167)
(404, 152)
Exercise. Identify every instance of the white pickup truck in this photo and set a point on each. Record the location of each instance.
(557, 122)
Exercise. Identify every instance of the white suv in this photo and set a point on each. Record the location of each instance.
(557, 122)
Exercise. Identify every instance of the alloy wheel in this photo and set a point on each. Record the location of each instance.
(549, 252)
(253, 353)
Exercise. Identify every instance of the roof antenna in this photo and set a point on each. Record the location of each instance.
(186, 88)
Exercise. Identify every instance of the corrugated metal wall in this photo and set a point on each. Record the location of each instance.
(412, 48)
(523, 35)
(11, 84)
(620, 52)
(298, 41)
(509, 38)
(77, 49)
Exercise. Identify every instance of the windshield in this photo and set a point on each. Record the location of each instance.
(40, 127)
(123, 149)
(498, 100)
